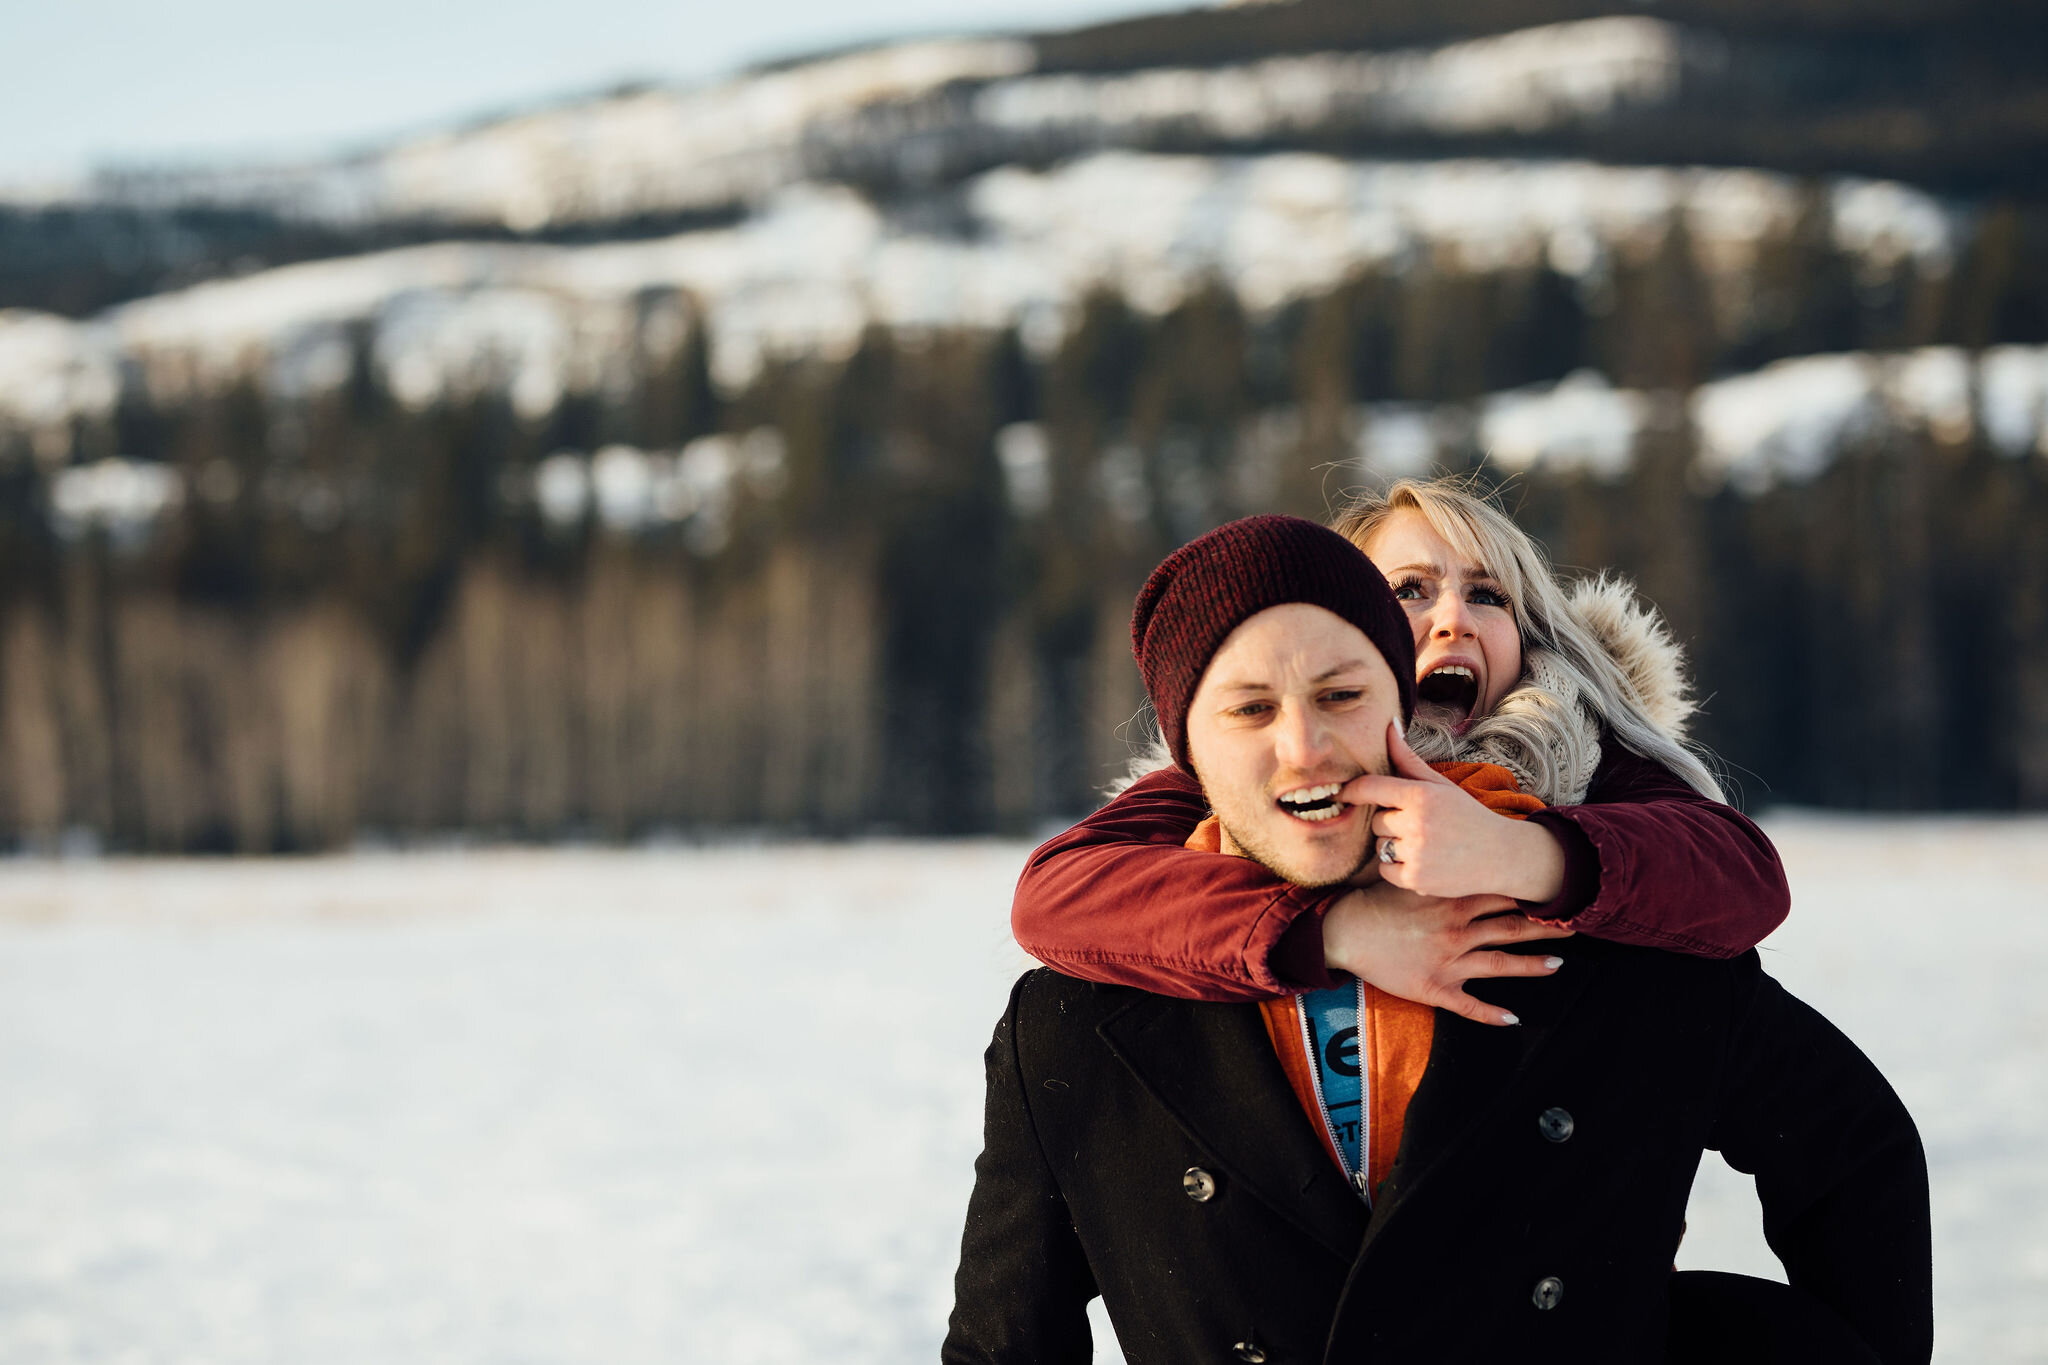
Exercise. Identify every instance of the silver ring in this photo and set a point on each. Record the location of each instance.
(1387, 851)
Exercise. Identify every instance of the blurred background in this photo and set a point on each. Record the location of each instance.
(783, 450)
(674, 433)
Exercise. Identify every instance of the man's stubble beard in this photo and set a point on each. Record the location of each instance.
(1267, 859)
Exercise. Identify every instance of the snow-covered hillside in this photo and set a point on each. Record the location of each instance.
(1784, 423)
(818, 265)
(645, 151)
(659, 151)
(723, 1104)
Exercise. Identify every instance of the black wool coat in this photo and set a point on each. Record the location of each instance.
(1150, 1150)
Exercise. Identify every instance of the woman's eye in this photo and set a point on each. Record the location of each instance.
(1408, 590)
(1487, 597)
(1252, 709)
(1342, 695)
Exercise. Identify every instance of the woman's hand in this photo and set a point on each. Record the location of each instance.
(1447, 844)
(1425, 948)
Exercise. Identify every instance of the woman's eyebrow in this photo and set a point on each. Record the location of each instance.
(1433, 570)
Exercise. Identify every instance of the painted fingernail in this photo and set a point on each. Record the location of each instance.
(1553, 962)
(1507, 1018)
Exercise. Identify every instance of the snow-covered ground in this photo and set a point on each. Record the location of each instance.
(722, 1104)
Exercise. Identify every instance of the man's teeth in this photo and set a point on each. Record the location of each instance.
(1314, 803)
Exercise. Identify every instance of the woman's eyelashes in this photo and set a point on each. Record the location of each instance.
(1413, 589)
(1486, 595)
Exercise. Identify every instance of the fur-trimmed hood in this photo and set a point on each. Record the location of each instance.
(1635, 637)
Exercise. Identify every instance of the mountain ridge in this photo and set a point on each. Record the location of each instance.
(1942, 97)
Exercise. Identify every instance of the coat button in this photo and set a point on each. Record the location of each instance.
(1249, 1351)
(1199, 1184)
(1548, 1293)
(1555, 1124)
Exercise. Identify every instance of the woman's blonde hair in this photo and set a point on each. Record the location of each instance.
(1547, 728)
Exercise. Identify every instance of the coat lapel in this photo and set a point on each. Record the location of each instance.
(1212, 1067)
(1473, 1067)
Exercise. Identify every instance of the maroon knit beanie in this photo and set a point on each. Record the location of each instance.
(1203, 590)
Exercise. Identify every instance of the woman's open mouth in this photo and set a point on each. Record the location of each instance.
(1447, 695)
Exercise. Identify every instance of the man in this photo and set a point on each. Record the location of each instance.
(1157, 1152)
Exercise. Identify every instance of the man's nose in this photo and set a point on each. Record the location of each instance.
(1303, 738)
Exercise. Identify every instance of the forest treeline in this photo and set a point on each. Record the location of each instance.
(906, 611)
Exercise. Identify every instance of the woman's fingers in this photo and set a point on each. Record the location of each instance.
(1492, 931)
(1451, 843)
(1424, 948)
(1478, 1011)
(1486, 905)
(1396, 873)
(1371, 789)
(1493, 962)
(1408, 828)
(1407, 763)
(1394, 822)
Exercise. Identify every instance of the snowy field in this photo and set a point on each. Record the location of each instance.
(696, 1105)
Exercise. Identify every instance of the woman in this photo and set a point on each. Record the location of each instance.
(1578, 693)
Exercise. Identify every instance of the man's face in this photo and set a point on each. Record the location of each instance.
(1294, 705)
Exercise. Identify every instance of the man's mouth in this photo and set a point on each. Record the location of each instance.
(1313, 804)
(1450, 692)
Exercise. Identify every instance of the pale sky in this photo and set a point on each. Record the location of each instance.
(91, 81)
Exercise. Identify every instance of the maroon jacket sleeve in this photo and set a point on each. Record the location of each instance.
(1119, 899)
(1650, 861)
